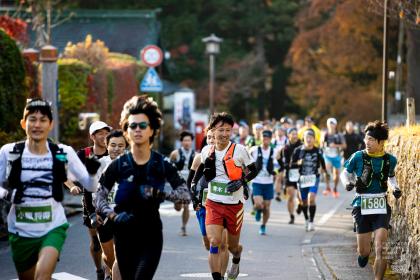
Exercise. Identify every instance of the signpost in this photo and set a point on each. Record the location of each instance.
(152, 56)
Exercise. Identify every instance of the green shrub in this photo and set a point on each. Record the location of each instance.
(12, 89)
(73, 92)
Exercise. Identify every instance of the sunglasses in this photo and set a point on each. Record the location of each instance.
(141, 125)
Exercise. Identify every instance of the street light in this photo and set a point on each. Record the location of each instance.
(212, 48)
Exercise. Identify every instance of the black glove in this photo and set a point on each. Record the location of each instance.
(360, 189)
(196, 202)
(92, 165)
(349, 187)
(397, 193)
(235, 185)
(123, 218)
(246, 191)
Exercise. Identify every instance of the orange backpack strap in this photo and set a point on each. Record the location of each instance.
(234, 172)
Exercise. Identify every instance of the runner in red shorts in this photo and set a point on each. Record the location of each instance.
(222, 165)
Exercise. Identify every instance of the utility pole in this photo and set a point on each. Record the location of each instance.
(385, 65)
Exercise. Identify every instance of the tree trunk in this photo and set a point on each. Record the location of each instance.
(413, 65)
(260, 67)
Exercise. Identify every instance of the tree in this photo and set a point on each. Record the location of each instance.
(15, 28)
(336, 61)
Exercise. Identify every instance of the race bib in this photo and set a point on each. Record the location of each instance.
(373, 204)
(307, 181)
(219, 189)
(331, 152)
(39, 214)
(294, 175)
(203, 200)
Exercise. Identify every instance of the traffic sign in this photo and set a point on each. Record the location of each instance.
(151, 55)
(151, 82)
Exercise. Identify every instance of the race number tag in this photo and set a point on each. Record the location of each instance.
(307, 181)
(294, 175)
(203, 200)
(219, 189)
(331, 152)
(373, 204)
(34, 214)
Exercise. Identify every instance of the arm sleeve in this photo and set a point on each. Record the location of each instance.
(252, 172)
(3, 166)
(179, 187)
(322, 160)
(106, 183)
(282, 161)
(294, 158)
(392, 182)
(190, 178)
(78, 170)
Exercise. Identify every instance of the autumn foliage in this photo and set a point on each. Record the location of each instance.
(336, 61)
(15, 28)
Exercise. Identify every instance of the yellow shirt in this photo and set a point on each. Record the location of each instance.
(317, 134)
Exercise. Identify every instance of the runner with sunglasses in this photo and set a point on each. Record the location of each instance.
(141, 174)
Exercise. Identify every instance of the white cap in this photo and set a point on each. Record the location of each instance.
(332, 120)
(97, 125)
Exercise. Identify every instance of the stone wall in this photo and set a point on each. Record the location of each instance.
(404, 238)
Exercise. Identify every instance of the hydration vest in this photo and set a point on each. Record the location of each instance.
(259, 162)
(232, 171)
(181, 162)
(128, 183)
(58, 171)
(365, 180)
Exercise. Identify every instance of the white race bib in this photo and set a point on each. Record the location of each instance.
(294, 175)
(36, 215)
(307, 181)
(373, 204)
(331, 152)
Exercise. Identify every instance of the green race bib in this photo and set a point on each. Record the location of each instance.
(34, 214)
(373, 204)
(219, 189)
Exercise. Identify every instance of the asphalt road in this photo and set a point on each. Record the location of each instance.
(286, 252)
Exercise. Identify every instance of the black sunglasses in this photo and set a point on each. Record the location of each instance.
(141, 125)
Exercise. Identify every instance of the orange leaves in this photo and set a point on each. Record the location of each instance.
(15, 28)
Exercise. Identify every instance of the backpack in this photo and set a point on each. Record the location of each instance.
(58, 170)
(181, 162)
(259, 161)
(368, 174)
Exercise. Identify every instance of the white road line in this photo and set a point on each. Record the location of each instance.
(330, 213)
(205, 275)
(65, 276)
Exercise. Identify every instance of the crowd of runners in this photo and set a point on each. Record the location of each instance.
(123, 180)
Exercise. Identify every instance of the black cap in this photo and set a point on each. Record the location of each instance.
(267, 133)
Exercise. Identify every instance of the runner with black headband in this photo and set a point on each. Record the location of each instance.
(32, 174)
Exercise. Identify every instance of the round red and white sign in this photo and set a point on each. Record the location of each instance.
(152, 55)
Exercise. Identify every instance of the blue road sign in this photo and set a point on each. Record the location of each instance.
(151, 82)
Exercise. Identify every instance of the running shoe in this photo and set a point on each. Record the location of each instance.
(278, 197)
(326, 192)
(233, 272)
(335, 194)
(262, 230)
(362, 261)
(311, 226)
(183, 231)
(258, 215)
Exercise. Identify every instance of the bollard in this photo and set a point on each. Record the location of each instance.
(48, 58)
(411, 112)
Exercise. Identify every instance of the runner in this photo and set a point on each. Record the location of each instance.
(354, 141)
(183, 158)
(371, 171)
(98, 131)
(291, 175)
(116, 145)
(199, 192)
(222, 166)
(310, 124)
(262, 185)
(140, 174)
(308, 159)
(278, 142)
(32, 174)
(333, 143)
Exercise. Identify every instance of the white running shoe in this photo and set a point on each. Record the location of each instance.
(311, 226)
(233, 272)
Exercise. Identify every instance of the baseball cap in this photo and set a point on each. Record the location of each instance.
(267, 133)
(309, 119)
(332, 120)
(97, 125)
(258, 126)
(310, 132)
